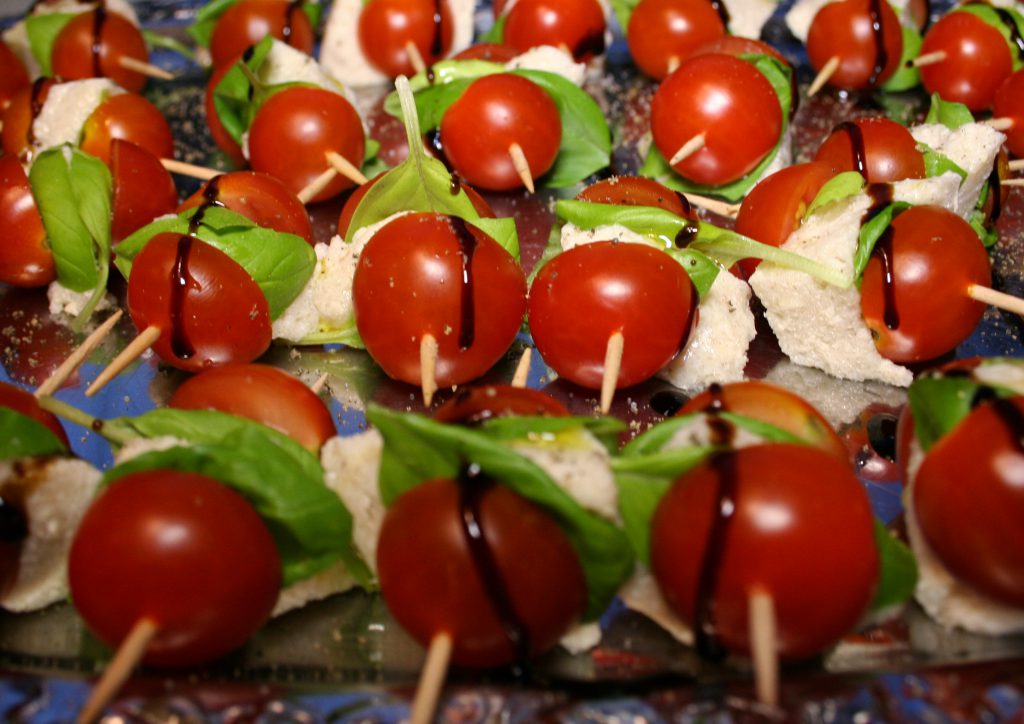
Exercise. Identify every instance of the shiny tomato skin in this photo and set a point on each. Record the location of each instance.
(131, 117)
(248, 22)
(143, 190)
(736, 45)
(802, 531)
(729, 101)
(181, 550)
(936, 256)
(431, 584)
(890, 152)
(977, 60)
(1009, 103)
(637, 191)
(845, 30)
(224, 314)
(774, 405)
(387, 26)
(409, 282)
(493, 113)
(220, 135)
(26, 404)
(259, 197)
(663, 33)
(578, 25)
(18, 117)
(262, 393)
(969, 502)
(295, 128)
(586, 294)
(13, 76)
(73, 57)
(25, 256)
(473, 404)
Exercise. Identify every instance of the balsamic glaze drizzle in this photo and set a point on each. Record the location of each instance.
(881, 196)
(289, 20)
(592, 44)
(723, 12)
(995, 191)
(467, 248)
(668, 402)
(853, 132)
(881, 56)
(437, 43)
(99, 19)
(35, 108)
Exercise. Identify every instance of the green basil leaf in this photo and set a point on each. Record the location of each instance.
(22, 437)
(906, 76)
(871, 231)
(442, 73)
(159, 40)
(417, 448)
(897, 576)
(373, 165)
(201, 29)
(639, 496)
(951, 115)
(936, 164)
(347, 335)
(938, 404)
(234, 98)
(279, 263)
(496, 33)
(314, 11)
(551, 429)
(701, 268)
(841, 186)
(42, 31)
(1000, 18)
(623, 10)
(978, 221)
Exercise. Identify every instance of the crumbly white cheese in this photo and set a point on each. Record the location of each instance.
(65, 301)
(747, 17)
(285, 64)
(973, 147)
(67, 108)
(820, 325)
(642, 594)
(342, 56)
(581, 637)
(57, 492)
(800, 16)
(331, 580)
(551, 60)
(698, 432)
(142, 445)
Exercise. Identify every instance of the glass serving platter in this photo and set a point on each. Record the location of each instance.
(344, 658)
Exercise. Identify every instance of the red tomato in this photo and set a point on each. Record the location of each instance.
(977, 60)
(208, 309)
(924, 312)
(1009, 103)
(178, 549)
(472, 405)
(12, 75)
(433, 274)
(474, 559)
(220, 135)
(92, 45)
(258, 197)
(847, 30)
(25, 256)
(386, 27)
(637, 191)
(143, 190)
(872, 442)
(583, 296)
(25, 105)
(970, 504)
(801, 530)
(664, 33)
(492, 52)
(880, 149)
(493, 113)
(774, 405)
(131, 117)
(775, 207)
(735, 45)
(262, 393)
(248, 22)
(577, 25)
(26, 404)
(295, 128)
(729, 101)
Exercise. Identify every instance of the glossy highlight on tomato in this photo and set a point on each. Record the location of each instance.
(879, 149)
(386, 27)
(180, 550)
(977, 60)
(25, 256)
(846, 30)
(131, 117)
(663, 33)
(249, 21)
(77, 55)
(577, 25)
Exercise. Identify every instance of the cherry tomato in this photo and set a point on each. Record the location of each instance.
(262, 393)
(472, 405)
(181, 550)
(977, 60)
(774, 405)
(1009, 103)
(208, 309)
(13, 76)
(521, 568)
(493, 52)
(25, 256)
(577, 25)
(248, 22)
(432, 274)
(880, 149)
(775, 207)
(21, 113)
(924, 312)
(259, 197)
(663, 33)
(26, 404)
(386, 27)
(735, 45)
(220, 135)
(131, 117)
(583, 296)
(801, 530)
(92, 45)
(846, 30)
(970, 504)
(143, 190)
(637, 191)
(731, 103)
(295, 128)
(492, 114)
